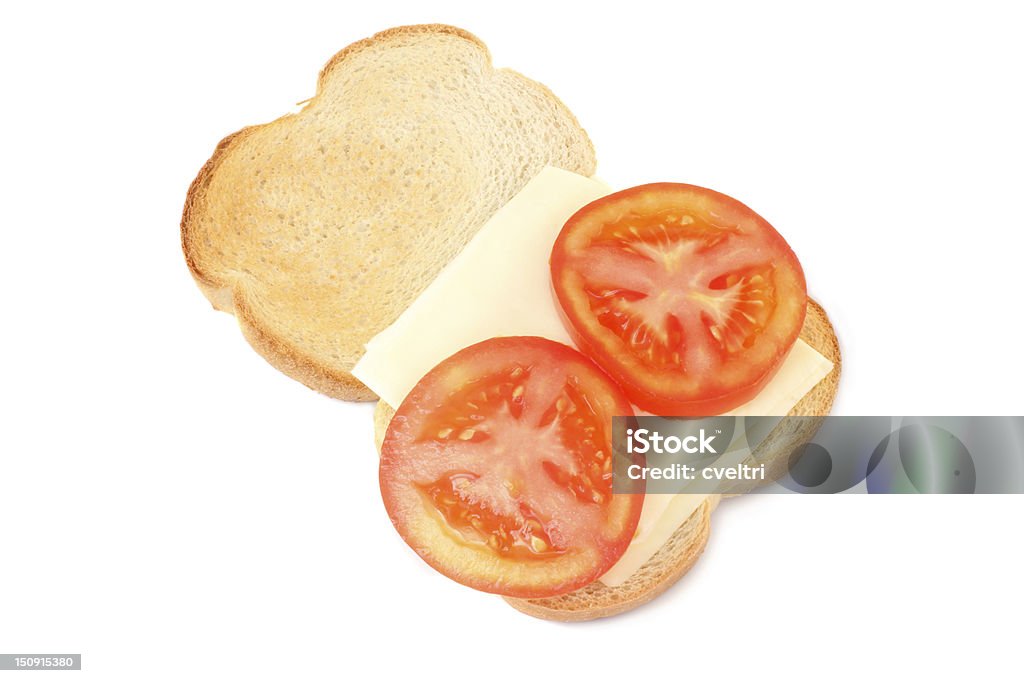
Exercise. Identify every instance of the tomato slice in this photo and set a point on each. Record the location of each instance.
(497, 469)
(685, 296)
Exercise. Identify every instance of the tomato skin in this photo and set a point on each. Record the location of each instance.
(709, 395)
(659, 405)
(587, 537)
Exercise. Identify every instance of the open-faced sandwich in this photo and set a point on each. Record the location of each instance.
(434, 219)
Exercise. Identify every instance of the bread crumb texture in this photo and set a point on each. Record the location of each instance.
(318, 229)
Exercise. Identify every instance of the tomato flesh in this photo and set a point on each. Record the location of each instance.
(685, 296)
(497, 469)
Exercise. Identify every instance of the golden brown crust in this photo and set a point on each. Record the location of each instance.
(226, 296)
(209, 286)
(819, 334)
(295, 364)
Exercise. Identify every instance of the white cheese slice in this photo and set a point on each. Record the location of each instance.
(499, 285)
(662, 514)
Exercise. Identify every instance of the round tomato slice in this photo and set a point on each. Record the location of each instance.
(497, 469)
(685, 296)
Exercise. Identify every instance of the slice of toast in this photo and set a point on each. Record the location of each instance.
(318, 229)
(685, 546)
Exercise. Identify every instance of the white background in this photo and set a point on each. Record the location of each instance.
(175, 509)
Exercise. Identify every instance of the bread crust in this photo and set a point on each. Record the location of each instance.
(775, 449)
(230, 298)
(686, 545)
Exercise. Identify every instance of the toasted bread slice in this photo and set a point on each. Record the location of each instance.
(318, 229)
(685, 546)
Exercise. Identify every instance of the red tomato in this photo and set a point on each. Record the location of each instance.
(685, 296)
(496, 469)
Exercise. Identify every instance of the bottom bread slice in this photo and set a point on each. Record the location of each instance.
(684, 547)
